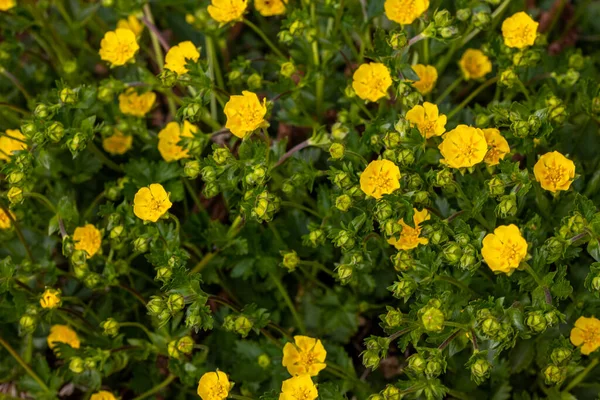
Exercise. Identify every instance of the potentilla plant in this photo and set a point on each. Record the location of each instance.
(299, 199)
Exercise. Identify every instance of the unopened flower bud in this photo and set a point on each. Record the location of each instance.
(391, 392)
(55, 131)
(403, 261)
(480, 369)
(405, 157)
(316, 237)
(560, 355)
(433, 319)
(393, 318)
(185, 345)
(243, 325)
(490, 327)
(140, 245)
(191, 169)
(417, 363)
(27, 324)
(553, 374)
(392, 228)
(111, 327)
(495, 187)
(596, 283)
(264, 361)
(397, 40)
(76, 365)
(343, 202)
(15, 177)
(79, 257)
(92, 280)
(452, 253)
(463, 14)
(442, 18)
(344, 239)
(339, 131)
(371, 359)
(254, 81)
(155, 306)
(449, 32)
(482, 20)
(164, 274)
(337, 150)
(536, 321)
(68, 96)
(344, 272)
(211, 189)
(175, 303)
(221, 156)
(172, 350)
(507, 206)
(403, 288)
(291, 260)
(342, 180)
(41, 111)
(287, 69)
(508, 78)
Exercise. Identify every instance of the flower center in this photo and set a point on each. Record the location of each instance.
(511, 253)
(382, 182)
(218, 391)
(308, 358)
(555, 174)
(302, 394)
(427, 127)
(155, 205)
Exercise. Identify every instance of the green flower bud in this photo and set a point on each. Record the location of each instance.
(266, 206)
(576, 61)
(536, 321)
(490, 327)
(290, 260)
(507, 206)
(411, 100)
(505, 332)
(80, 270)
(414, 182)
(402, 126)
(116, 232)
(463, 14)
(403, 261)
(156, 305)
(405, 157)
(558, 114)
(172, 350)
(417, 363)
(432, 319)
(560, 355)
(482, 120)
(140, 245)
(15, 177)
(468, 260)
(433, 368)
(209, 174)
(371, 359)
(191, 169)
(508, 78)
(254, 81)
(15, 195)
(55, 131)
(316, 238)
(553, 375)
(175, 303)
(77, 142)
(339, 131)
(221, 156)
(343, 202)
(78, 257)
(111, 327)
(342, 180)
(391, 393)
(211, 189)
(554, 248)
(403, 288)
(397, 40)
(442, 18)
(344, 239)
(389, 154)
(449, 32)
(392, 227)
(344, 272)
(287, 69)
(164, 274)
(392, 139)
(495, 187)
(337, 150)
(264, 361)
(552, 318)
(105, 94)
(444, 178)
(243, 325)
(76, 365)
(92, 280)
(376, 397)
(482, 20)
(393, 318)
(27, 324)
(596, 283)
(520, 128)
(68, 96)
(41, 111)
(480, 370)
(452, 253)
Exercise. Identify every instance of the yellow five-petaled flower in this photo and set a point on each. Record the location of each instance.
(63, 334)
(131, 23)
(497, 146)
(269, 8)
(50, 298)
(474, 64)
(554, 172)
(103, 395)
(6, 5)
(178, 56)
(371, 81)
(379, 178)
(305, 356)
(87, 238)
(118, 47)
(117, 143)
(411, 237)
(225, 11)
(405, 12)
(170, 136)
(519, 30)
(6, 219)
(299, 388)
(137, 105)
(463, 147)
(427, 119)
(427, 78)
(214, 386)
(504, 249)
(152, 202)
(586, 333)
(245, 114)
(12, 140)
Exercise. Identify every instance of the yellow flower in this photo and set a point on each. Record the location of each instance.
(268, 8)
(305, 356)
(12, 140)
(103, 395)
(118, 46)
(214, 386)
(131, 23)
(150, 203)
(117, 143)
(169, 137)
(87, 238)
(245, 114)
(474, 64)
(379, 178)
(410, 237)
(225, 11)
(5, 220)
(554, 172)
(179, 55)
(50, 298)
(504, 249)
(427, 77)
(427, 119)
(464, 146)
(498, 146)
(298, 388)
(6, 5)
(405, 11)
(62, 334)
(371, 81)
(587, 332)
(137, 105)
(519, 31)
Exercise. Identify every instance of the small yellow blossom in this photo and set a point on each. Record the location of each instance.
(118, 46)
(371, 81)
(519, 31)
(305, 356)
(150, 203)
(87, 238)
(131, 23)
(298, 388)
(379, 178)
(504, 249)
(474, 64)
(464, 146)
(245, 114)
(269, 8)
(225, 11)
(170, 136)
(410, 237)
(137, 105)
(12, 140)
(554, 172)
(405, 12)
(427, 119)
(117, 143)
(103, 395)
(63, 334)
(6, 5)
(179, 55)
(50, 298)
(5, 219)
(498, 146)
(427, 78)
(214, 386)
(586, 332)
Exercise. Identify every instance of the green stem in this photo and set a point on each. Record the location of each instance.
(264, 37)
(582, 375)
(524, 90)
(18, 84)
(456, 283)
(103, 158)
(23, 364)
(473, 94)
(457, 325)
(96, 201)
(192, 193)
(204, 262)
(157, 388)
(288, 301)
(300, 207)
(15, 224)
(42, 199)
(210, 54)
(137, 325)
(449, 89)
(177, 225)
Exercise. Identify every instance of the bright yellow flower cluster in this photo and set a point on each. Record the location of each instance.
(178, 56)
(554, 172)
(245, 114)
(405, 12)
(371, 81)
(519, 31)
(50, 298)
(427, 78)
(586, 333)
(427, 119)
(411, 237)
(117, 143)
(63, 334)
(306, 356)
(225, 11)
(103, 395)
(299, 387)
(474, 64)
(87, 238)
(269, 8)
(5, 219)
(214, 386)
(118, 47)
(12, 140)
(170, 136)
(152, 202)
(497, 146)
(504, 249)
(6, 5)
(131, 23)
(379, 178)
(463, 147)
(134, 104)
